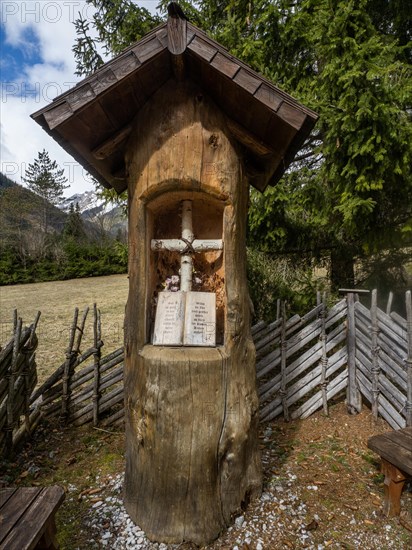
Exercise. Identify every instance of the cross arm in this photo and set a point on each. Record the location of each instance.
(178, 245)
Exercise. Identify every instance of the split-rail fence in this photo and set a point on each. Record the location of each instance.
(86, 387)
(302, 363)
(18, 377)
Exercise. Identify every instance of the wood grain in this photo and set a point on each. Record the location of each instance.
(225, 65)
(395, 447)
(28, 517)
(176, 35)
(191, 414)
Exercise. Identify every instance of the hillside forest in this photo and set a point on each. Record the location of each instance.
(40, 242)
(341, 216)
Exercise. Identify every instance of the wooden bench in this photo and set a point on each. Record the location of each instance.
(395, 450)
(27, 517)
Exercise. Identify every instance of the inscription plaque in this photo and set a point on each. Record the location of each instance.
(185, 319)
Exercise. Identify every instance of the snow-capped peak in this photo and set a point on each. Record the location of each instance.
(89, 203)
(93, 209)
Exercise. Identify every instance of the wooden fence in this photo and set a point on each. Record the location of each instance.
(383, 361)
(18, 377)
(86, 387)
(302, 363)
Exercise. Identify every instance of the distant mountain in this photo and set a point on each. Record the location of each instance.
(40, 242)
(89, 203)
(93, 209)
(20, 207)
(21, 210)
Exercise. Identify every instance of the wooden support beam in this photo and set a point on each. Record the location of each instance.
(178, 66)
(353, 395)
(119, 174)
(258, 180)
(109, 146)
(119, 185)
(247, 139)
(353, 290)
(176, 33)
(375, 369)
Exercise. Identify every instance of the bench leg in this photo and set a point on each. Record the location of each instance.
(48, 540)
(393, 485)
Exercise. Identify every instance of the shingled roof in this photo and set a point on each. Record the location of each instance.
(93, 120)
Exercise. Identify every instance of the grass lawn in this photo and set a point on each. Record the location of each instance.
(57, 300)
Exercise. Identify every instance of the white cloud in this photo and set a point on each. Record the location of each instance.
(22, 138)
(4, 152)
(48, 27)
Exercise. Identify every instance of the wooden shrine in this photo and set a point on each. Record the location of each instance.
(186, 128)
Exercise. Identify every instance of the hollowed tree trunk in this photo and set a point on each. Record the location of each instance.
(192, 458)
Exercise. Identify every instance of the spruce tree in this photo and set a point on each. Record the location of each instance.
(115, 25)
(45, 178)
(74, 227)
(349, 192)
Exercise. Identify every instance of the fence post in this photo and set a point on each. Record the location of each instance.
(277, 309)
(26, 351)
(96, 357)
(283, 345)
(389, 304)
(11, 421)
(29, 351)
(408, 361)
(375, 370)
(68, 368)
(353, 395)
(324, 359)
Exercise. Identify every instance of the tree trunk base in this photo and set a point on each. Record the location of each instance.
(192, 463)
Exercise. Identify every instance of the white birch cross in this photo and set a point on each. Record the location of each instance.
(187, 245)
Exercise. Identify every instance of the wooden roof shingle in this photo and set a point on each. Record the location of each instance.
(92, 121)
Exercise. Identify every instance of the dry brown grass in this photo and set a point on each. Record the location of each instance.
(57, 300)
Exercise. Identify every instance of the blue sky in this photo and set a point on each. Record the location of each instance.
(36, 65)
(14, 57)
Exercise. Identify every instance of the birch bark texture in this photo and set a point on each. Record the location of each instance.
(192, 454)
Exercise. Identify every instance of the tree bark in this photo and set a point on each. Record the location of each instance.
(192, 456)
(342, 272)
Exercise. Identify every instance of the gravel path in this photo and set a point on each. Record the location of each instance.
(277, 520)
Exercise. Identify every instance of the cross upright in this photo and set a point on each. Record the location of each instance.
(187, 245)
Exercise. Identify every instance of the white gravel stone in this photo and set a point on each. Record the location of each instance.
(97, 504)
(239, 521)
